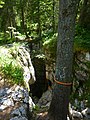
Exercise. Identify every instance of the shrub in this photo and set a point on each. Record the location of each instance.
(14, 73)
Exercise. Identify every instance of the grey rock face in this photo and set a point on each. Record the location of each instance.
(23, 111)
(2, 107)
(19, 118)
(3, 91)
(45, 100)
(19, 95)
(16, 112)
(8, 102)
(25, 61)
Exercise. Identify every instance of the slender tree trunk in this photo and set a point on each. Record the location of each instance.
(60, 99)
(11, 13)
(22, 17)
(84, 19)
(53, 22)
(39, 22)
(24, 27)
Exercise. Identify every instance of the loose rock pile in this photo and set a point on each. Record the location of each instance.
(45, 100)
(17, 102)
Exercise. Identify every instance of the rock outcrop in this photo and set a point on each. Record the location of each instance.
(15, 103)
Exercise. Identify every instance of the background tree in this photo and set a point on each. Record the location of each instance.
(8, 15)
(60, 99)
(84, 19)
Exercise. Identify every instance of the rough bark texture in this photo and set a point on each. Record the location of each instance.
(59, 105)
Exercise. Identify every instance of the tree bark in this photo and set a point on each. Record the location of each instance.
(60, 99)
(38, 20)
(84, 19)
(53, 16)
(23, 24)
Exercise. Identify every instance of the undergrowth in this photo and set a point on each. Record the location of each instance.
(13, 73)
(10, 67)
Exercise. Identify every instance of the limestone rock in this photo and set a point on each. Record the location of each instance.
(31, 104)
(45, 100)
(16, 112)
(2, 107)
(8, 102)
(23, 111)
(76, 114)
(3, 91)
(19, 118)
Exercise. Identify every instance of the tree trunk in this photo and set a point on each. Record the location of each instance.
(61, 92)
(53, 16)
(23, 24)
(39, 22)
(84, 19)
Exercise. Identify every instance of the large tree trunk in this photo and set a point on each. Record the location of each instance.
(60, 99)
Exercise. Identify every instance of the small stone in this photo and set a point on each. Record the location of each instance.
(16, 112)
(9, 91)
(20, 95)
(8, 102)
(26, 94)
(77, 114)
(48, 104)
(22, 88)
(19, 118)
(68, 118)
(2, 107)
(15, 96)
(45, 99)
(31, 104)
(26, 100)
(22, 111)
(17, 88)
(3, 91)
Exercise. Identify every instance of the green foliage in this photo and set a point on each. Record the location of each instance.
(32, 17)
(14, 73)
(1, 3)
(9, 65)
(82, 39)
(36, 108)
(5, 39)
(50, 43)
